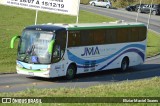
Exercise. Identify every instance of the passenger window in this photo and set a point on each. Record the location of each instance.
(134, 35)
(74, 39)
(99, 37)
(142, 33)
(111, 36)
(86, 38)
(122, 35)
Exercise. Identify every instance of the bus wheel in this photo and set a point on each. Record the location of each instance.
(71, 72)
(124, 64)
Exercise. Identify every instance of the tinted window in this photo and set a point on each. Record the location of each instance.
(133, 35)
(74, 38)
(156, 6)
(111, 36)
(122, 35)
(99, 37)
(59, 46)
(142, 33)
(86, 37)
(106, 36)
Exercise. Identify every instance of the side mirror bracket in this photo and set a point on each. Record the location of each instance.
(50, 47)
(13, 40)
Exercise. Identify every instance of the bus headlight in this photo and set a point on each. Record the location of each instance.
(45, 69)
(20, 66)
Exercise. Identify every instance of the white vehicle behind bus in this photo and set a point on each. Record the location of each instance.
(54, 50)
(101, 3)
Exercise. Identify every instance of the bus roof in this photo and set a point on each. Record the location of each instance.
(83, 26)
(45, 27)
(104, 25)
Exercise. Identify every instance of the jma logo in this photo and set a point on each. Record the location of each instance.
(90, 51)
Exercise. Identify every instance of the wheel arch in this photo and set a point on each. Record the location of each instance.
(125, 57)
(93, 4)
(72, 64)
(108, 6)
(125, 63)
(155, 12)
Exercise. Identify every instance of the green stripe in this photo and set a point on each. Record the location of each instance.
(22, 69)
(105, 27)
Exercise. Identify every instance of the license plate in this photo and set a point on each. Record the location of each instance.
(30, 73)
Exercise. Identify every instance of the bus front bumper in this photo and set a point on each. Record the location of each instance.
(38, 73)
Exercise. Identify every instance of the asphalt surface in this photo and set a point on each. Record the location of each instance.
(121, 14)
(14, 82)
(151, 68)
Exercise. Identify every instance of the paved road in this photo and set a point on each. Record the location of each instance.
(121, 14)
(14, 82)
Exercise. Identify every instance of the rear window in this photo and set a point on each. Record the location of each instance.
(157, 6)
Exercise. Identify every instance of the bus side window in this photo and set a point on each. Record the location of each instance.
(59, 46)
(142, 33)
(99, 37)
(86, 37)
(122, 35)
(111, 36)
(134, 35)
(56, 52)
(73, 39)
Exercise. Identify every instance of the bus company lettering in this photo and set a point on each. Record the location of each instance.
(90, 51)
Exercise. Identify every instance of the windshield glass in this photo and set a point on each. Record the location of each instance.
(33, 46)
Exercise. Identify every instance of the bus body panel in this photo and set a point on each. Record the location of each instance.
(89, 58)
(104, 57)
(33, 69)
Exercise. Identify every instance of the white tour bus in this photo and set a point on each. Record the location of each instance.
(53, 50)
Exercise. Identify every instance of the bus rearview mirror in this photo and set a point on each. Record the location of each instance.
(50, 47)
(13, 40)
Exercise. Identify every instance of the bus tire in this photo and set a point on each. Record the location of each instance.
(125, 64)
(71, 72)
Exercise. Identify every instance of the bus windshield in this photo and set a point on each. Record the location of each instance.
(33, 47)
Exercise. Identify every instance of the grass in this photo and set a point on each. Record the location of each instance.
(153, 44)
(137, 88)
(13, 20)
(143, 88)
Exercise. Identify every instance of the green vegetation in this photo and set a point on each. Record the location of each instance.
(139, 88)
(84, 1)
(13, 20)
(153, 44)
(144, 88)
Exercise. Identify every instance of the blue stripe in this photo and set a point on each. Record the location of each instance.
(34, 66)
(129, 50)
(78, 60)
(85, 66)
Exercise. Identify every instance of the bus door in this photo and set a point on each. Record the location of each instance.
(58, 51)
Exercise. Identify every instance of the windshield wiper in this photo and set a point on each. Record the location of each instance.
(29, 52)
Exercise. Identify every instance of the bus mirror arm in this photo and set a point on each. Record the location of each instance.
(13, 40)
(50, 47)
